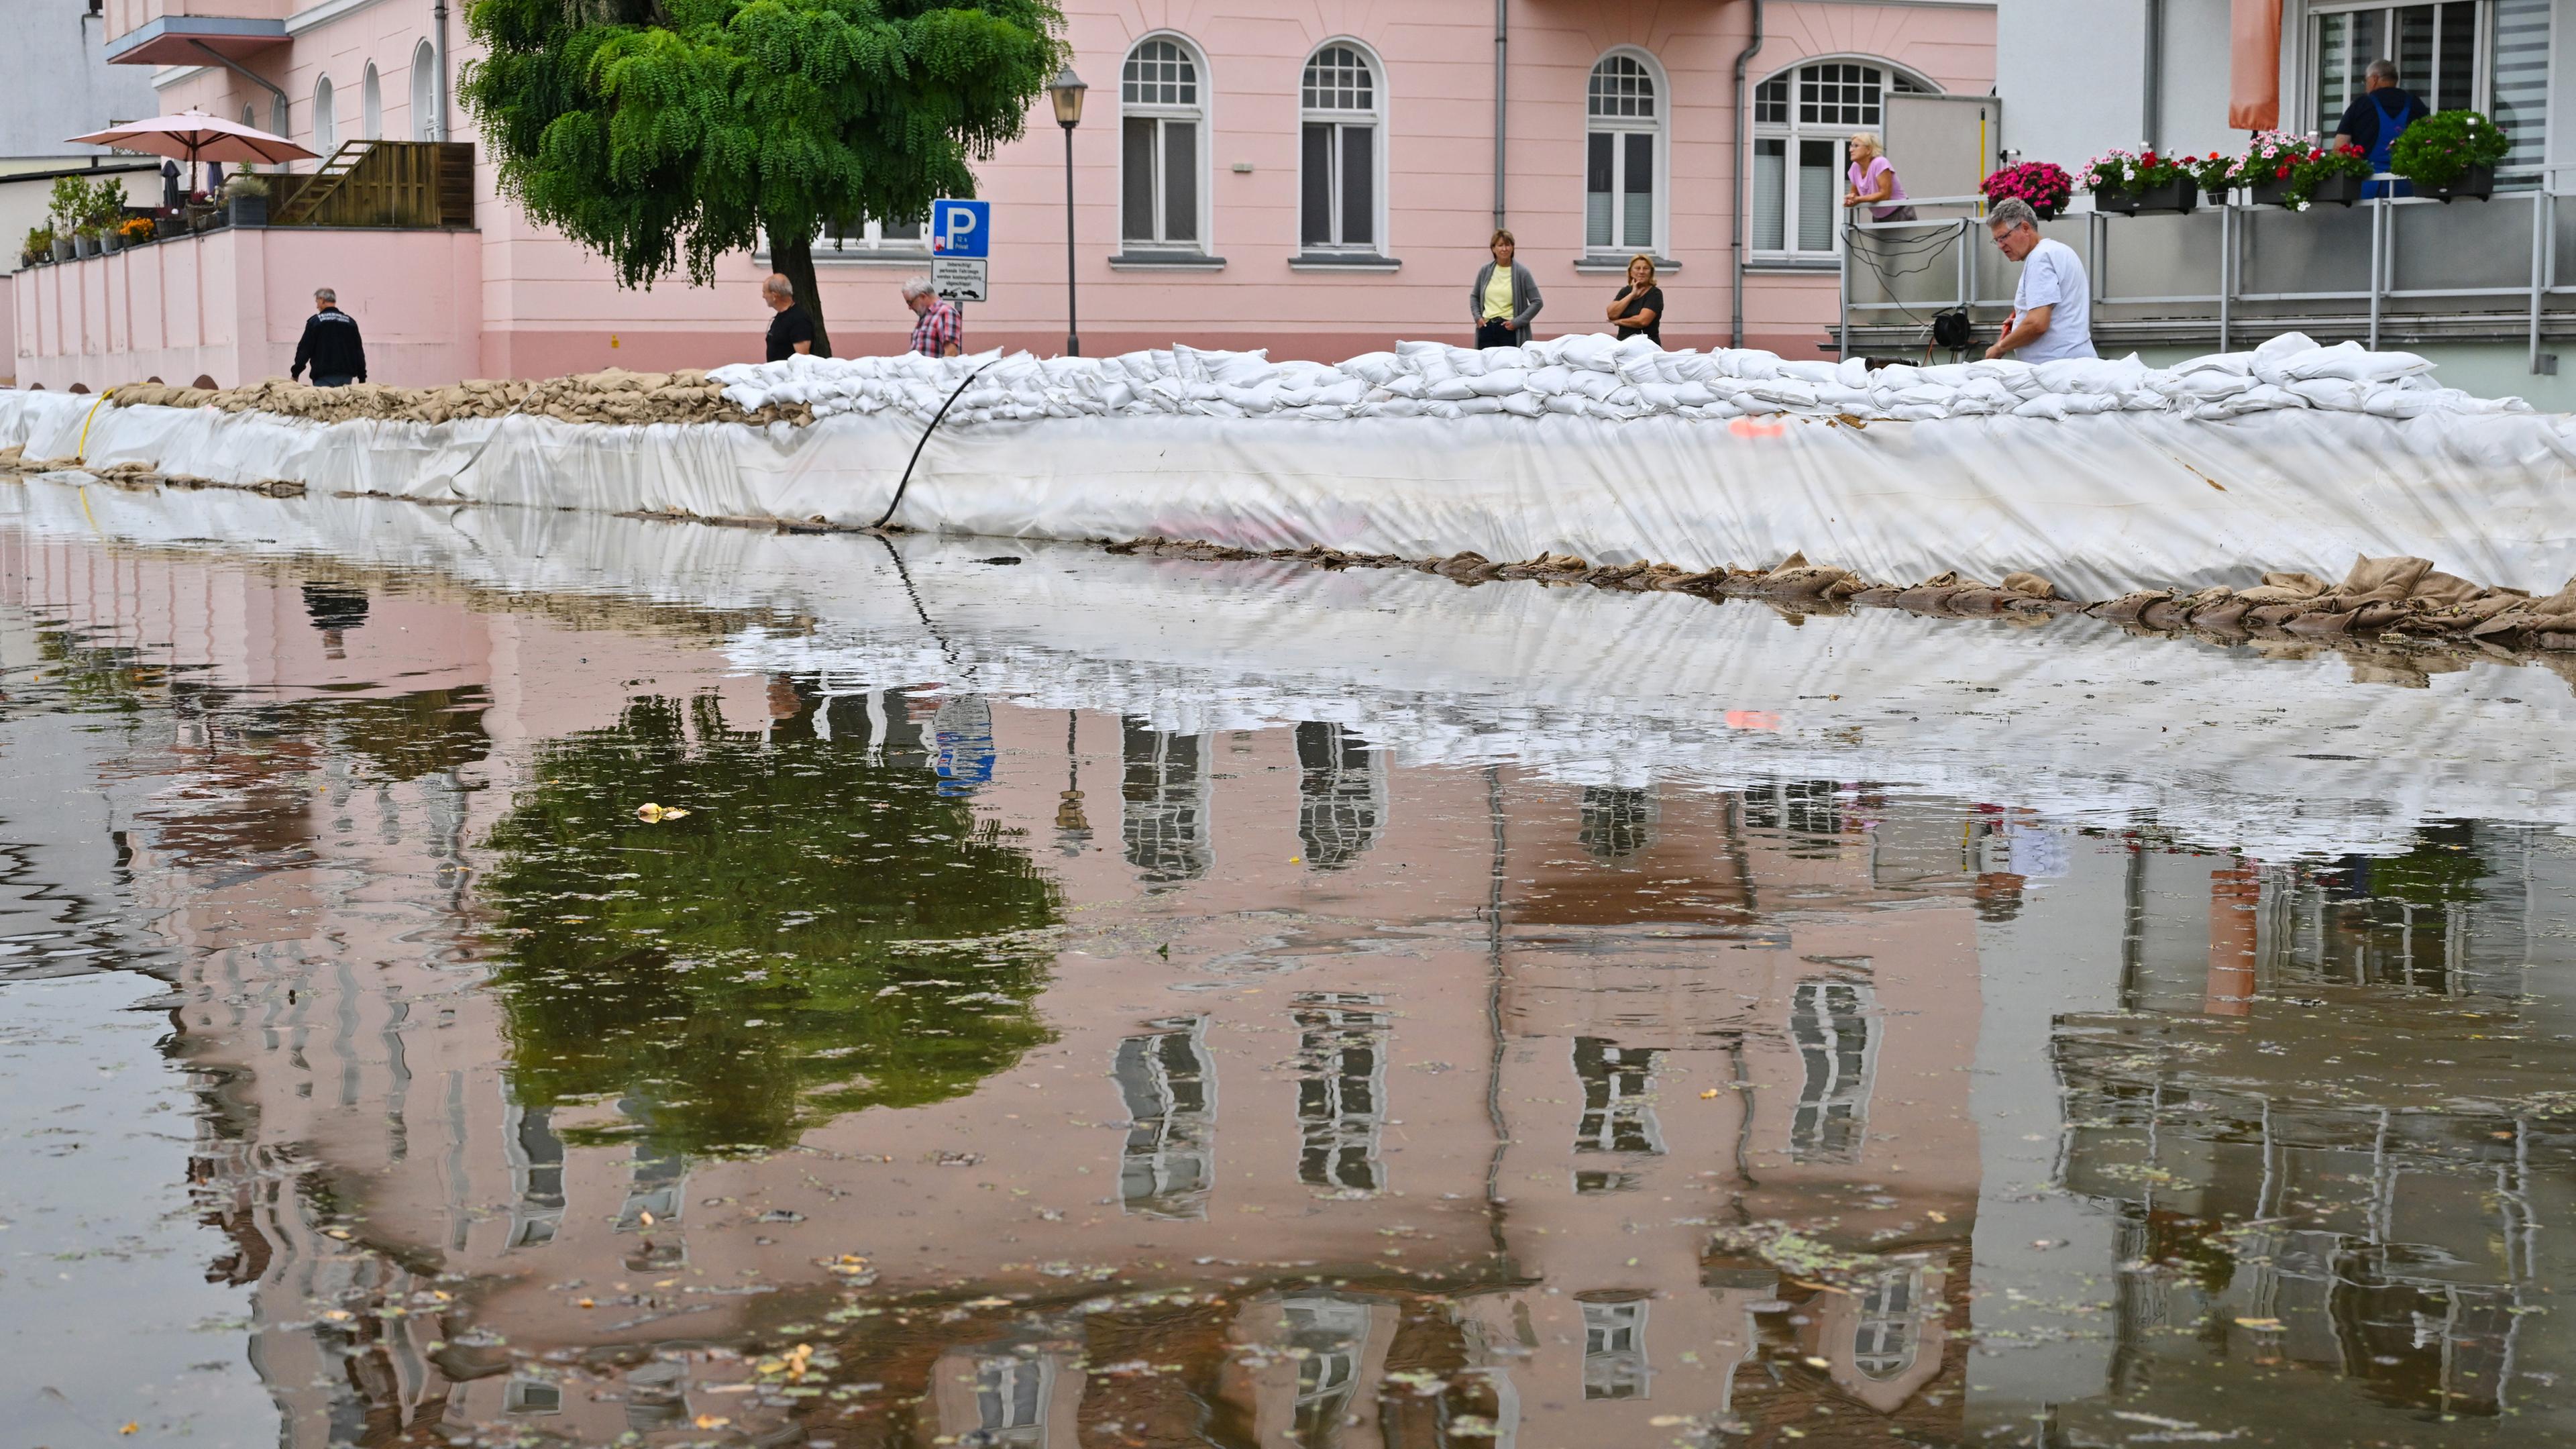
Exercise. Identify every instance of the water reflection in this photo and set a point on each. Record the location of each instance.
(830, 928)
(890, 1098)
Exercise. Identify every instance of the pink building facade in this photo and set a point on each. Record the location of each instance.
(1318, 178)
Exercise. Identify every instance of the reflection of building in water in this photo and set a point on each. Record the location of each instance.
(536, 1158)
(1341, 1090)
(1618, 1109)
(1617, 821)
(1341, 795)
(1165, 821)
(1168, 1083)
(1614, 1349)
(1808, 812)
(1006, 1395)
(1835, 1027)
(877, 722)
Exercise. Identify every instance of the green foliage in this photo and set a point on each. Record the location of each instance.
(664, 134)
(822, 933)
(2435, 150)
(2317, 166)
(82, 201)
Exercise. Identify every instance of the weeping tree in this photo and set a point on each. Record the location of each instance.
(666, 133)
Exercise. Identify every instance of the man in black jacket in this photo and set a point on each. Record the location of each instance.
(330, 346)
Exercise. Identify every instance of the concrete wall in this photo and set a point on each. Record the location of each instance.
(231, 305)
(548, 307)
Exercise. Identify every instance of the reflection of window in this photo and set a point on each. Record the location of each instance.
(1337, 190)
(1169, 1086)
(1162, 116)
(1165, 788)
(532, 1396)
(1623, 134)
(1341, 795)
(1809, 808)
(1837, 1042)
(1341, 1091)
(1614, 1350)
(1618, 1101)
(1011, 1392)
(1883, 1346)
(1615, 821)
(536, 1157)
(655, 1186)
(1327, 1335)
(1801, 119)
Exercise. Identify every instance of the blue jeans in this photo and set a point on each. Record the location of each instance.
(335, 380)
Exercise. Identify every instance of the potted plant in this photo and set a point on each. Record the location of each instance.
(2044, 184)
(111, 240)
(40, 245)
(85, 240)
(2264, 169)
(2337, 176)
(246, 197)
(64, 247)
(2214, 174)
(2450, 154)
(136, 230)
(2140, 183)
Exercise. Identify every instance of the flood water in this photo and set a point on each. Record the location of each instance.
(514, 978)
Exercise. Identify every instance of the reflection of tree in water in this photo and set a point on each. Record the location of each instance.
(1617, 821)
(1165, 791)
(808, 942)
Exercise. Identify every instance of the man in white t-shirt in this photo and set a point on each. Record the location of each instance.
(2052, 314)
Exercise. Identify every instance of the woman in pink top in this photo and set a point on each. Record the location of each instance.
(1873, 180)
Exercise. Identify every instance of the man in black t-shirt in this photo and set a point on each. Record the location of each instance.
(791, 331)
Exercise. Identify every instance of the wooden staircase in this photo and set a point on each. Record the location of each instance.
(410, 184)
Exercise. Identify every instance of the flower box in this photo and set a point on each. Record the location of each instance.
(2473, 181)
(2340, 190)
(248, 210)
(2171, 198)
(64, 250)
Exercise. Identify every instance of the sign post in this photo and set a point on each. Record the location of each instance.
(961, 236)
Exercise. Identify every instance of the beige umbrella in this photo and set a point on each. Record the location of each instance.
(194, 136)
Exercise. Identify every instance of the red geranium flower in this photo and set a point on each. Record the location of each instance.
(2283, 172)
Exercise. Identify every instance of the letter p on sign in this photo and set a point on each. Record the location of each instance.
(961, 228)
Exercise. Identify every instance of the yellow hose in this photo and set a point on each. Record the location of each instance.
(80, 452)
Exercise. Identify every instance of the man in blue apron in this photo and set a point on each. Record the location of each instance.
(2376, 118)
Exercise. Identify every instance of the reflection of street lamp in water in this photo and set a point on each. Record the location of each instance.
(1072, 831)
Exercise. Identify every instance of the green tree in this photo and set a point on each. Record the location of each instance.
(823, 932)
(666, 133)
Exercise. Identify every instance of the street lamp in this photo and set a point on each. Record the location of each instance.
(1066, 91)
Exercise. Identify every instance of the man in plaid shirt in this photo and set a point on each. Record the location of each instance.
(938, 333)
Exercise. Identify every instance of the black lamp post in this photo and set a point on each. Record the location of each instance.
(1066, 91)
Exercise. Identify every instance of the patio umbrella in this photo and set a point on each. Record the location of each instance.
(194, 136)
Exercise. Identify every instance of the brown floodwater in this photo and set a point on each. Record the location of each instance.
(606, 982)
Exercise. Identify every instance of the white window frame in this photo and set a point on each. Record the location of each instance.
(1202, 112)
(424, 93)
(326, 117)
(371, 105)
(1372, 116)
(1659, 220)
(1793, 131)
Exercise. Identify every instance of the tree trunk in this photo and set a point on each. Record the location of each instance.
(795, 261)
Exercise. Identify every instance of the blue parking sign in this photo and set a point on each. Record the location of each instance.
(961, 228)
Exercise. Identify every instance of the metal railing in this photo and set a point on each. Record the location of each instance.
(2317, 243)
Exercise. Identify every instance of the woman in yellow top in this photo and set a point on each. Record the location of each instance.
(1504, 298)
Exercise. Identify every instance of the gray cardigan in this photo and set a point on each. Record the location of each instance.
(1525, 299)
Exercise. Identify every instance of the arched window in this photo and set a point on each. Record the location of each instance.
(326, 124)
(1623, 156)
(424, 93)
(277, 118)
(1338, 105)
(248, 119)
(1163, 114)
(371, 105)
(1801, 118)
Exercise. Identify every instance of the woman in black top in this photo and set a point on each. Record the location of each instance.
(1639, 307)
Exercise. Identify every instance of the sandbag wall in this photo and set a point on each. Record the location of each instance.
(2106, 476)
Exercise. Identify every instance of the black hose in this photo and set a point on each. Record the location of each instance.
(897, 501)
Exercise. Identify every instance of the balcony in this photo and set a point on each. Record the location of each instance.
(192, 32)
(2402, 272)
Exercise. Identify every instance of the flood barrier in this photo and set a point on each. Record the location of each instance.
(2108, 477)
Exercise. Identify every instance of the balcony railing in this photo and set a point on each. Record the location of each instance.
(2406, 270)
